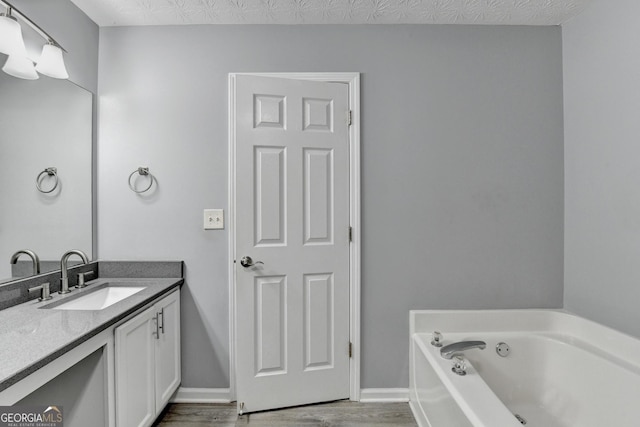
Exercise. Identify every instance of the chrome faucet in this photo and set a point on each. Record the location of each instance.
(448, 351)
(34, 259)
(64, 279)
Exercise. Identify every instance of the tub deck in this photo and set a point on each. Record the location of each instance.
(554, 376)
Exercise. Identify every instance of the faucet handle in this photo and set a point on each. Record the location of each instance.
(45, 291)
(81, 279)
(459, 365)
(437, 339)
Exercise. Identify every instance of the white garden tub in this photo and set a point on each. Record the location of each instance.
(561, 371)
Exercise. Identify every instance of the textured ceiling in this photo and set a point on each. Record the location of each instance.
(178, 12)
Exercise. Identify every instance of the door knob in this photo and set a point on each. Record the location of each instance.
(247, 261)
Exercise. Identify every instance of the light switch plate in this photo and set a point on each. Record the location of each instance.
(213, 219)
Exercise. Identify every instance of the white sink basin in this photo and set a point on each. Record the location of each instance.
(100, 299)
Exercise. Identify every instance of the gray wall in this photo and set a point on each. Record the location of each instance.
(462, 164)
(602, 171)
(78, 34)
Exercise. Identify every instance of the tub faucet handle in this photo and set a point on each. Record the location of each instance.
(437, 339)
(459, 366)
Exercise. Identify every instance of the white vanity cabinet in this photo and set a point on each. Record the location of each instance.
(147, 362)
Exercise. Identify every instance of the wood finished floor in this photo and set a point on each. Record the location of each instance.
(335, 414)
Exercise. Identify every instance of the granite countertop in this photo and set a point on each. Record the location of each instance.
(32, 336)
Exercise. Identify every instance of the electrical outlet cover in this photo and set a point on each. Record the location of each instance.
(213, 219)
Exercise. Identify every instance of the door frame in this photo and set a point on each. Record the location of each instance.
(353, 82)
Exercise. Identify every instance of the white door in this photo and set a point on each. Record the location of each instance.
(292, 215)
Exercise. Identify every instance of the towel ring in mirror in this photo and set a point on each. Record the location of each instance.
(49, 172)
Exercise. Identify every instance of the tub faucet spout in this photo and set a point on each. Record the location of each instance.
(448, 351)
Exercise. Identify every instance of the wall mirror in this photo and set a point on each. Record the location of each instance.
(44, 123)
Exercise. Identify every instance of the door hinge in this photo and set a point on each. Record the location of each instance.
(350, 350)
(351, 234)
(349, 117)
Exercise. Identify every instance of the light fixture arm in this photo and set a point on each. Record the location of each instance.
(11, 11)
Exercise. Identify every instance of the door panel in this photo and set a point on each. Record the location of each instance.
(270, 190)
(135, 382)
(318, 114)
(270, 329)
(318, 321)
(318, 196)
(168, 368)
(269, 111)
(292, 214)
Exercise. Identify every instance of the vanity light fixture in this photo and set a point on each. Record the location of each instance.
(51, 62)
(11, 41)
(21, 67)
(18, 64)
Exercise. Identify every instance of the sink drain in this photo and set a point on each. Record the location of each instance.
(519, 418)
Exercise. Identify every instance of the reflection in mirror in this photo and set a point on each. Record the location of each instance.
(44, 124)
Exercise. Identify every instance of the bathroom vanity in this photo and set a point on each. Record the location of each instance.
(109, 353)
(147, 361)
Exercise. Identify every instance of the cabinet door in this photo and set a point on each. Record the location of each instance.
(168, 372)
(135, 353)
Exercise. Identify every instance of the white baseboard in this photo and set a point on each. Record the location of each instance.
(202, 395)
(223, 395)
(384, 395)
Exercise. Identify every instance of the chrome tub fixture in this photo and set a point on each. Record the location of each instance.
(448, 351)
(437, 339)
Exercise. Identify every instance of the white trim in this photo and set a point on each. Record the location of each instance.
(110, 377)
(46, 373)
(371, 395)
(353, 81)
(419, 415)
(231, 224)
(354, 252)
(202, 395)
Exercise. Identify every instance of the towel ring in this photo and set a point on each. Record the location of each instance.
(144, 172)
(50, 172)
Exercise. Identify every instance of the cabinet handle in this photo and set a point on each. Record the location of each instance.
(161, 325)
(156, 333)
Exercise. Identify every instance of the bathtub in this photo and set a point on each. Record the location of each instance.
(561, 370)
